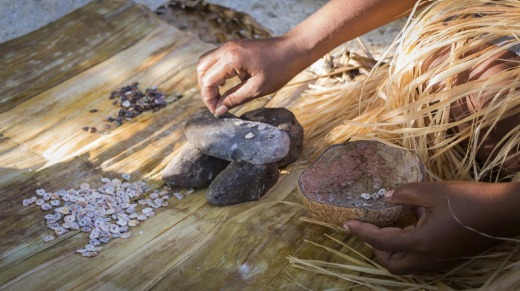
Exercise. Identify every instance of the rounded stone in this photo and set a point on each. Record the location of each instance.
(190, 168)
(284, 120)
(223, 138)
(242, 182)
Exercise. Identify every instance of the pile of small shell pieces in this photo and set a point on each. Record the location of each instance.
(105, 213)
(133, 102)
(375, 196)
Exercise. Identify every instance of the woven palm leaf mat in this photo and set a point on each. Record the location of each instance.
(51, 80)
(210, 22)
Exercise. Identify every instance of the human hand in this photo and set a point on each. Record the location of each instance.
(441, 236)
(263, 66)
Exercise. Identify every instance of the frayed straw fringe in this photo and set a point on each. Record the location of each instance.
(398, 104)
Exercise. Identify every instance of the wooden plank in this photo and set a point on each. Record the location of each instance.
(42, 59)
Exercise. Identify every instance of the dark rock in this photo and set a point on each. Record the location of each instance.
(233, 139)
(192, 169)
(242, 182)
(286, 121)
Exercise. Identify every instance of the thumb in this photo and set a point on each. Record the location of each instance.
(414, 194)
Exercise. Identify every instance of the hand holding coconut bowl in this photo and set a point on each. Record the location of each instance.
(471, 79)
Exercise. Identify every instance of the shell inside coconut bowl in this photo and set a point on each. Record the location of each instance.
(348, 181)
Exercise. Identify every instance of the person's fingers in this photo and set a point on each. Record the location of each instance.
(390, 239)
(210, 96)
(241, 93)
(205, 62)
(415, 194)
(401, 263)
(211, 80)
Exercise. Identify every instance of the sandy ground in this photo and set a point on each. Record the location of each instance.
(18, 17)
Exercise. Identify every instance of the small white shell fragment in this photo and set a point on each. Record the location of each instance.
(375, 196)
(381, 192)
(251, 125)
(158, 201)
(39, 202)
(48, 238)
(125, 177)
(60, 231)
(26, 202)
(49, 217)
(69, 218)
(133, 222)
(126, 235)
(104, 240)
(141, 232)
(147, 210)
(165, 203)
(239, 122)
(116, 182)
(46, 207)
(89, 254)
(89, 247)
(81, 251)
(365, 196)
(84, 186)
(178, 195)
(142, 217)
(154, 195)
(40, 192)
(105, 180)
(55, 202)
(46, 196)
(121, 222)
(249, 135)
(262, 127)
(189, 191)
(62, 210)
(126, 103)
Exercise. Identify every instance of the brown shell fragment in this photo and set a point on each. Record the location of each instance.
(332, 187)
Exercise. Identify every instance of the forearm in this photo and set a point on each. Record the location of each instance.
(342, 20)
(505, 200)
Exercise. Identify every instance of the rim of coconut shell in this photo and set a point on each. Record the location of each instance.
(338, 211)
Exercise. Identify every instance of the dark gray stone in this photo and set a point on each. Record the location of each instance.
(286, 121)
(242, 182)
(233, 139)
(192, 169)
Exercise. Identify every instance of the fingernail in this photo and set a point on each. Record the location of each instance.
(389, 193)
(221, 110)
(346, 228)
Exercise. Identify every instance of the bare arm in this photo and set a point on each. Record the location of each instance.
(264, 66)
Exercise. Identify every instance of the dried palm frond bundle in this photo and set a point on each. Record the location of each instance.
(411, 104)
(417, 100)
